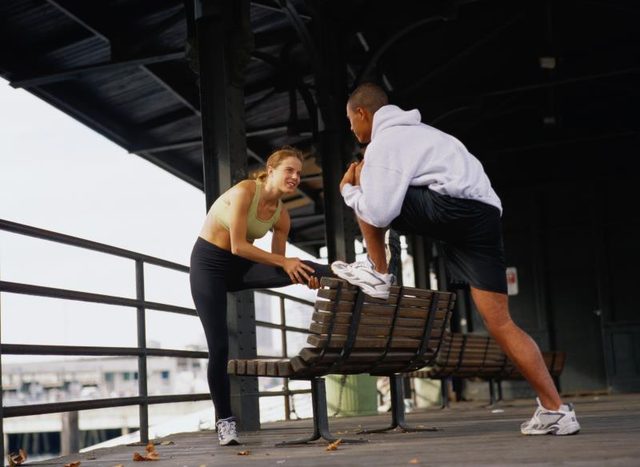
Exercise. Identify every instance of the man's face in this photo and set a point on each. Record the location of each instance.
(361, 123)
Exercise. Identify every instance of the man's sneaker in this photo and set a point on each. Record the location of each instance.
(362, 274)
(555, 422)
(227, 434)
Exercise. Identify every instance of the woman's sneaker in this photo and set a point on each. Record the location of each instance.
(363, 275)
(555, 422)
(227, 434)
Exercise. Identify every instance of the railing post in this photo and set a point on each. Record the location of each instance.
(142, 358)
(1, 391)
(283, 335)
(70, 435)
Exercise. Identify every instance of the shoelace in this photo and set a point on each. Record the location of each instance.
(227, 428)
(361, 264)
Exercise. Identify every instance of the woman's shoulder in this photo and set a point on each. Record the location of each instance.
(245, 187)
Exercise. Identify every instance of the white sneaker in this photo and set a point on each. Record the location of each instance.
(555, 422)
(227, 434)
(362, 274)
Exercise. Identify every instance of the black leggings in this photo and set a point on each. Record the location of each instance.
(214, 272)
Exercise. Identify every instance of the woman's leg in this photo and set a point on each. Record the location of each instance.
(263, 276)
(210, 297)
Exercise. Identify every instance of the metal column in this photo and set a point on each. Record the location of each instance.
(223, 46)
(335, 143)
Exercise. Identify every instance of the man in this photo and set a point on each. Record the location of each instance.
(417, 179)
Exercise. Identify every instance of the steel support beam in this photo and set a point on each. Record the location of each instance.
(114, 65)
(326, 48)
(223, 39)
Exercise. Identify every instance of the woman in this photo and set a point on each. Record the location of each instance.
(224, 259)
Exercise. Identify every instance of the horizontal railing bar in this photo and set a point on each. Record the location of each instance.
(267, 324)
(52, 292)
(286, 297)
(87, 244)
(72, 350)
(284, 393)
(56, 407)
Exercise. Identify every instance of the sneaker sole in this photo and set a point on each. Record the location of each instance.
(571, 429)
(233, 442)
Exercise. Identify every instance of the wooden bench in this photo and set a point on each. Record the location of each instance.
(478, 356)
(353, 333)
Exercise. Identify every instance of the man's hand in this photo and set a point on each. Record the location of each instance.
(349, 176)
(358, 169)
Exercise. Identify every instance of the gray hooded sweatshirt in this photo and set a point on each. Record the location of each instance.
(405, 152)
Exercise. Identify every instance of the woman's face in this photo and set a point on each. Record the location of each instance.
(286, 176)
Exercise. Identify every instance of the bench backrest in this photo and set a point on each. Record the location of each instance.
(473, 355)
(354, 333)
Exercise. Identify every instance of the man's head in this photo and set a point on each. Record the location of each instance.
(363, 102)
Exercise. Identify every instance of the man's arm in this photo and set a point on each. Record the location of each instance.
(378, 199)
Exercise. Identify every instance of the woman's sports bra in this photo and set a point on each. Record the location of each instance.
(256, 228)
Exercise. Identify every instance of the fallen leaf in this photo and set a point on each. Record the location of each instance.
(244, 453)
(17, 458)
(119, 465)
(167, 443)
(152, 455)
(334, 446)
(413, 461)
(73, 464)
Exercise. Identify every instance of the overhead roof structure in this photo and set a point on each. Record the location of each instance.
(504, 77)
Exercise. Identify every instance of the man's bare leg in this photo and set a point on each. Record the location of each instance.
(494, 309)
(374, 237)
(519, 347)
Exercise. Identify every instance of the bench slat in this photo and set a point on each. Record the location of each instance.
(368, 330)
(373, 310)
(345, 318)
(349, 296)
(367, 342)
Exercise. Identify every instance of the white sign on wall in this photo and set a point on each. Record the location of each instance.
(512, 281)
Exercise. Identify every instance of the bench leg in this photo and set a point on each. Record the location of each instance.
(492, 393)
(320, 418)
(444, 393)
(397, 409)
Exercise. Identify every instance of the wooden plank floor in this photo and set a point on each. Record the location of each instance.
(469, 434)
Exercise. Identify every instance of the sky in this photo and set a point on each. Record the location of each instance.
(57, 174)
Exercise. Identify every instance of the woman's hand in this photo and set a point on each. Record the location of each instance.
(298, 271)
(314, 282)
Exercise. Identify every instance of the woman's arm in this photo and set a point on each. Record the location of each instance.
(240, 200)
(281, 233)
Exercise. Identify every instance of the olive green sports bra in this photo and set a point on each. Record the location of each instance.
(256, 228)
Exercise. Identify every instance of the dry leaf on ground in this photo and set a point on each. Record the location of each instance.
(244, 453)
(73, 464)
(413, 461)
(17, 458)
(152, 455)
(167, 443)
(334, 446)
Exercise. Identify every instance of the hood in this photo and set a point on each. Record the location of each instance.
(392, 115)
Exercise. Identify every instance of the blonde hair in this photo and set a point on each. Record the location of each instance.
(275, 159)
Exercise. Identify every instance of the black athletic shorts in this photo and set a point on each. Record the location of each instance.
(469, 230)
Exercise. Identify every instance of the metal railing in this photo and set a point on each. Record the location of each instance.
(143, 400)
